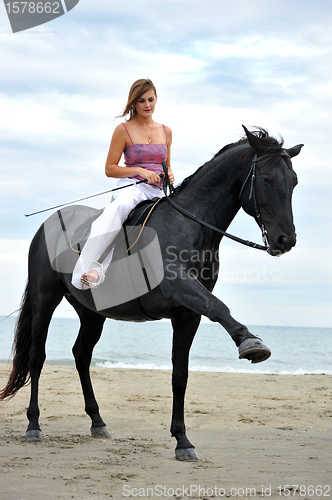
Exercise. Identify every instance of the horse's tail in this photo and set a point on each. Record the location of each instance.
(21, 346)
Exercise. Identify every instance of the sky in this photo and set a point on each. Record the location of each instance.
(216, 65)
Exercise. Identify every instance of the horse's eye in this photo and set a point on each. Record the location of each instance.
(266, 180)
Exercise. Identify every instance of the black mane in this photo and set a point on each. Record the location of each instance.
(268, 144)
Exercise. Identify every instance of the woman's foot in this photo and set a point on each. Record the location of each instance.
(92, 278)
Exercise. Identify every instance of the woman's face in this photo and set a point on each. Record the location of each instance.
(146, 103)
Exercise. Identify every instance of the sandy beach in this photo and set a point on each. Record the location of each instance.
(256, 436)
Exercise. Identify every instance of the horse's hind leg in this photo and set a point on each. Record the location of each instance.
(89, 334)
(43, 306)
(184, 329)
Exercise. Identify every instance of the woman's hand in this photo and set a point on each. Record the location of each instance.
(171, 176)
(151, 177)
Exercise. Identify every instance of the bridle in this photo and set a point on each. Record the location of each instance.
(252, 194)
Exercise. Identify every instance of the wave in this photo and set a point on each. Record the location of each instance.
(131, 366)
(223, 369)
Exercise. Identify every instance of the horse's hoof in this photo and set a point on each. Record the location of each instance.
(186, 455)
(100, 432)
(33, 435)
(254, 350)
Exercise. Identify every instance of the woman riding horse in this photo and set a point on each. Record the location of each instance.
(145, 144)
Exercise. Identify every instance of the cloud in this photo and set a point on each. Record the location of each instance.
(215, 66)
(257, 47)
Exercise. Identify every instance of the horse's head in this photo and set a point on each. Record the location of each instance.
(267, 189)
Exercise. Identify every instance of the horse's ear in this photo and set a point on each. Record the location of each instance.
(253, 140)
(295, 150)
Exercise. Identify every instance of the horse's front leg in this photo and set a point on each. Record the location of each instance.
(184, 328)
(89, 334)
(187, 291)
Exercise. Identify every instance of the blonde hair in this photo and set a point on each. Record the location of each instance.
(136, 91)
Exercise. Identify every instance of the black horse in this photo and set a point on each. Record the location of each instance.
(255, 173)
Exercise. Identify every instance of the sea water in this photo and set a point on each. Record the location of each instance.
(295, 350)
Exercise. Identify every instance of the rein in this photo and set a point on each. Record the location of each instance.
(247, 243)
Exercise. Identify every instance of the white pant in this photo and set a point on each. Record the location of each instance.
(106, 227)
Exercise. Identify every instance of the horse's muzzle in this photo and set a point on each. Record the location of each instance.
(282, 244)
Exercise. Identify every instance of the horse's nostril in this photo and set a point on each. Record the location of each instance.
(282, 241)
(285, 243)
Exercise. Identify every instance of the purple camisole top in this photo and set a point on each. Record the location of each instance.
(149, 156)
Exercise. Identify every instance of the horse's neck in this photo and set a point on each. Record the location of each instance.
(212, 193)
